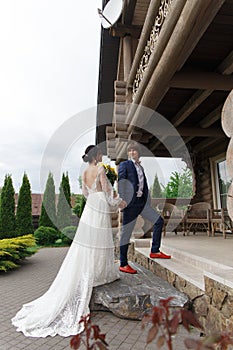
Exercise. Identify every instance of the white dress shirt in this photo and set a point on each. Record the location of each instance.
(139, 170)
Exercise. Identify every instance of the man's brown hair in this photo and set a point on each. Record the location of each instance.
(134, 145)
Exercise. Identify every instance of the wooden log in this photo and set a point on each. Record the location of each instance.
(111, 144)
(205, 191)
(212, 117)
(127, 55)
(230, 201)
(227, 112)
(120, 108)
(205, 182)
(120, 98)
(229, 158)
(201, 80)
(208, 198)
(120, 84)
(121, 31)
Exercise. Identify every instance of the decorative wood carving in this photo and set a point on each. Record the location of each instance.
(163, 11)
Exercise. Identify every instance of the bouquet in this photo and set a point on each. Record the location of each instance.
(110, 173)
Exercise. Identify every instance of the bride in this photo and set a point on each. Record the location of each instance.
(88, 263)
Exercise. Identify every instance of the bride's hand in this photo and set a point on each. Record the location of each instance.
(122, 204)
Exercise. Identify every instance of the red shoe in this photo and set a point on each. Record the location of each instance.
(127, 269)
(159, 255)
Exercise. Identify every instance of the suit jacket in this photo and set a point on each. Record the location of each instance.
(128, 183)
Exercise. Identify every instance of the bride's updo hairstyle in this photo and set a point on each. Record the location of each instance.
(91, 153)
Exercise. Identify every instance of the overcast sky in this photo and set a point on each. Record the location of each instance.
(48, 73)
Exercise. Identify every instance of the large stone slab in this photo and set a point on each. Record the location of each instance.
(132, 295)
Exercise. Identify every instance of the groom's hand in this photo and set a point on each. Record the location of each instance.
(122, 204)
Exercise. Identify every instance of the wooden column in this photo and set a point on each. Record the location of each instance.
(127, 55)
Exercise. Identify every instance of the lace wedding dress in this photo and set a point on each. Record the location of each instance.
(88, 263)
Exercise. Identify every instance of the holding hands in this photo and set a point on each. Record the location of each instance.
(122, 204)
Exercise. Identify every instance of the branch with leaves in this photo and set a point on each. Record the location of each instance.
(90, 337)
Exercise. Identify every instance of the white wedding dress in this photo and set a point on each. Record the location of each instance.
(88, 263)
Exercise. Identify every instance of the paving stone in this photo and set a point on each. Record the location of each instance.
(29, 282)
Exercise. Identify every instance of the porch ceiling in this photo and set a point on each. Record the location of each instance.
(193, 98)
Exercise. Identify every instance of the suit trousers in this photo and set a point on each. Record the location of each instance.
(130, 215)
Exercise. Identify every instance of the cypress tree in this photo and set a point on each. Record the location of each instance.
(48, 208)
(63, 206)
(67, 190)
(24, 209)
(156, 191)
(7, 209)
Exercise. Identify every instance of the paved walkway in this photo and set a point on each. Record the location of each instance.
(31, 280)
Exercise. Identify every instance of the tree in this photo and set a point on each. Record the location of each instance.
(64, 206)
(179, 185)
(80, 181)
(67, 190)
(24, 224)
(48, 209)
(7, 209)
(156, 191)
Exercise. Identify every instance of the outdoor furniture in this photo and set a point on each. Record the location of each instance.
(220, 221)
(172, 216)
(198, 218)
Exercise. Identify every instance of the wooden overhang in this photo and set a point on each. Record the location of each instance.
(188, 77)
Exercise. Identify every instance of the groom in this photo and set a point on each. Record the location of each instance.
(133, 188)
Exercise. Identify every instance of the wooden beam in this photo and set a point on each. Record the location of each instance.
(127, 55)
(200, 132)
(128, 13)
(197, 98)
(226, 67)
(211, 118)
(121, 30)
(164, 130)
(201, 80)
(204, 144)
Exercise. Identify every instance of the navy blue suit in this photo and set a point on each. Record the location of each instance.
(128, 184)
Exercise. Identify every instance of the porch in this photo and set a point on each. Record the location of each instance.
(201, 267)
(195, 256)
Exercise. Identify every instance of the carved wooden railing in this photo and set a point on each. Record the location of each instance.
(163, 11)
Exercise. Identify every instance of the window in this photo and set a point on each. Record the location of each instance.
(224, 181)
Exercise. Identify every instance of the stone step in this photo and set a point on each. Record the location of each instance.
(133, 295)
(212, 269)
(191, 267)
(187, 271)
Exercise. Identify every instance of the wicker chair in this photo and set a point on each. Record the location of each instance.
(220, 221)
(198, 218)
(172, 216)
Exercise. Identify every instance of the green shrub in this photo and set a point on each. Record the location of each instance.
(46, 235)
(67, 234)
(14, 250)
(80, 202)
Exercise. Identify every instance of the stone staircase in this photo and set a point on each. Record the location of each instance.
(190, 267)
